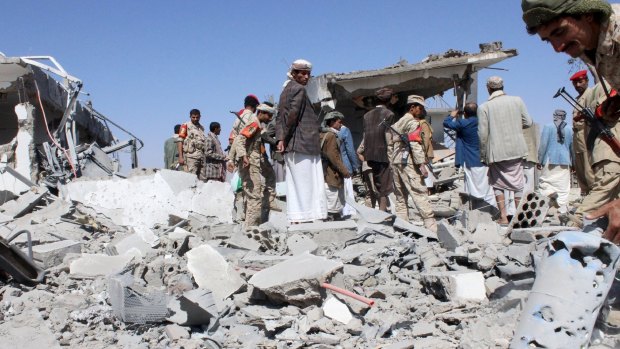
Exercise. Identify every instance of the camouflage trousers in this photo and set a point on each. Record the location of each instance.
(583, 169)
(606, 188)
(197, 167)
(408, 181)
(258, 197)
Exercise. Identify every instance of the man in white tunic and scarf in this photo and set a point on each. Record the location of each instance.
(555, 156)
(297, 135)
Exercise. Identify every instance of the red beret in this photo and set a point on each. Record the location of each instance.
(579, 75)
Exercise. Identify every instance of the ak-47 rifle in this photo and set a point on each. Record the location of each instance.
(403, 137)
(595, 123)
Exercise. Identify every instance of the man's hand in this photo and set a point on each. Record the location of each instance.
(454, 113)
(424, 170)
(246, 162)
(610, 108)
(280, 147)
(361, 157)
(230, 166)
(612, 211)
(181, 161)
(578, 117)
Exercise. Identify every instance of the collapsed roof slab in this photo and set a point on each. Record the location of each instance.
(430, 77)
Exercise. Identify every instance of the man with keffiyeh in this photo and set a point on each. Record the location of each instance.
(589, 30)
(555, 160)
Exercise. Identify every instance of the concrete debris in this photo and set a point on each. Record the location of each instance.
(211, 271)
(295, 281)
(402, 225)
(149, 199)
(155, 260)
(176, 332)
(527, 235)
(194, 307)
(96, 265)
(370, 215)
(300, 243)
(334, 309)
(455, 285)
(449, 237)
(29, 330)
(52, 254)
(24, 203)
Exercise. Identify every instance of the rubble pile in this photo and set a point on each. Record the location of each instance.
(156, 260)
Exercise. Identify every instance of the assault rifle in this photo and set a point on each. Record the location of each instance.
(595, 123)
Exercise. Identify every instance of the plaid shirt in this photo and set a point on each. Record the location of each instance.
(214, 163)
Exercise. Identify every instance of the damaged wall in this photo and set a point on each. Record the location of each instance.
(24, 128)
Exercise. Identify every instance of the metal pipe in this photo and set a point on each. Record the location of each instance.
(348, 293)
(28, 235)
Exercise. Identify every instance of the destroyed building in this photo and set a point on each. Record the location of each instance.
(48, 135)
(157, 260)
(351, 93)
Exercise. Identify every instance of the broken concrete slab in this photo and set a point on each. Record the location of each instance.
(422, 329)
(213, 272)
(471, 218)
(24, 203)
(242, 241)
(175, 332)
(487, 233)
(222, 231)
(94, 265)
(296, 280)
(52, 254)
(128, 244)
(455, 285)
(257, 261)
(298, 243)
(370, 214)
(150, 198)
(335, 227)
(527, 235)
(194, 307)
(403, 225)
(336, 310)
(361, 254)
(449, 237)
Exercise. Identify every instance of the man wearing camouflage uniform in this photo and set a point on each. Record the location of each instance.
(192, 149)
(252, 164)
(589, 30)
(409, 173)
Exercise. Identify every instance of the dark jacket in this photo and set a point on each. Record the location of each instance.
(296, 122)
(375, 144)
(467, 141)
(334, 168)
